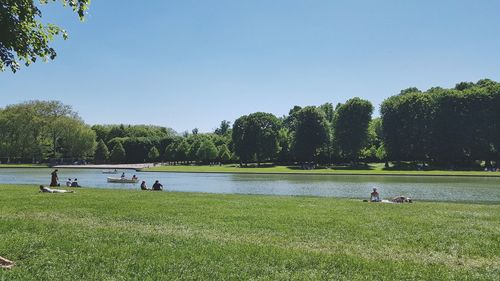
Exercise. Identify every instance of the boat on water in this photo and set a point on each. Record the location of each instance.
(109, 171)
(122, 180)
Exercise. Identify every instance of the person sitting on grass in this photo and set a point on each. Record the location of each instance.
(45, 189)
(157, 186)
(68, 183)
(374, 196)
(75, 183)
(144, 186)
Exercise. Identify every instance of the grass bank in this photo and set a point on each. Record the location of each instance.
(372, 169)
(23, 166)
(121, 234)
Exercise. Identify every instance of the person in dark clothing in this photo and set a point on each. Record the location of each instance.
(144, 186)
(54, 178)
(75, 183)
(157, 186)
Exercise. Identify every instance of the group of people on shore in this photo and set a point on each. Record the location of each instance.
(72, 183)
(54, 182)
(375, 197)
(157, 186)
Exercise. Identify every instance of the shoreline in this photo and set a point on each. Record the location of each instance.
(149, 167)
(277, 196)
(415, 174)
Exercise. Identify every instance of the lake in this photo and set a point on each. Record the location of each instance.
(471, 189)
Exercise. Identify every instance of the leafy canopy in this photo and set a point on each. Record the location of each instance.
(23, 35)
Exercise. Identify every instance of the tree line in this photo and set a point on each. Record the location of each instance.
(35, 131)
(445, 127)
(448, 127)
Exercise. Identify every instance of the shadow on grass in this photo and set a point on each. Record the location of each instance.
(358, 167)
(262, 165)
(414, 166)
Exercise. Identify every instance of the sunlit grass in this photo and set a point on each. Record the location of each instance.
(99, 234)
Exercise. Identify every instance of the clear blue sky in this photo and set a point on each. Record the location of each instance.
(186, 63)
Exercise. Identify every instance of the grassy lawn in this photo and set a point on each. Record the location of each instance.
(23, 165)
(372, 169)
(120, 234)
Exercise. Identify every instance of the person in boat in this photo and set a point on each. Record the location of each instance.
(54, 178)
(75, 183)
(157, 186)
(69, 182)
(123, 175)
(144, 186)
(134, 177)
(374, 196)
(45, 189)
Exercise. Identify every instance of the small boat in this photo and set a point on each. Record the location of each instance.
(122, 180)
(109, 171)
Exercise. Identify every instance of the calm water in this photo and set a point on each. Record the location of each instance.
(419, 188)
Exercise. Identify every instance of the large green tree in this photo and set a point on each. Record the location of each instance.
(39, 130)
(76, 139)
(101, 154)
(24, 36)
(407, 129)
(153, 154)
(242, 145)
(207, 151)
(311, 133)
(256, 136)
(350, 127)
(224, 154)
(117, 153)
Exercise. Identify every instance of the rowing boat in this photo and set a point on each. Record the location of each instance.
(122, 180)
(110, 172)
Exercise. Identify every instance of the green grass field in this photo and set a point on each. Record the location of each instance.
(372, 169)
(23, 165)
(103, 234)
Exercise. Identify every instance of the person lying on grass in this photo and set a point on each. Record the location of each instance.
(401, 199)
(50, 190)
(5, 263)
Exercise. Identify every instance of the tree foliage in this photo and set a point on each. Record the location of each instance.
(44, 129)
(101, 152)
(118, 153)
(207, 151)
(311, 132)
(24, 37)
(444, 126)
(350, 127)
(153, 154)
(256, 137)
